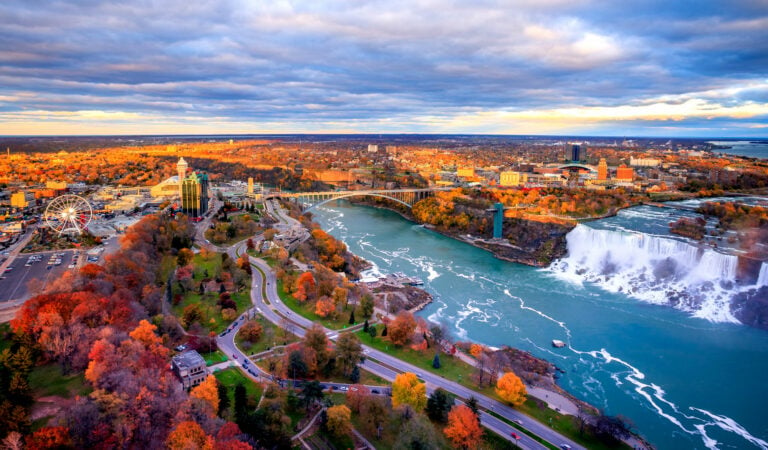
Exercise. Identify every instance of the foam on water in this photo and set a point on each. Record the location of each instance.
(653, 269)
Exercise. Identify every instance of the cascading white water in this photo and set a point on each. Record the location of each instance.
(762, 279)
(653, 269)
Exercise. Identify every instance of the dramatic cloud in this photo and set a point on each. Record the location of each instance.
(554, 66)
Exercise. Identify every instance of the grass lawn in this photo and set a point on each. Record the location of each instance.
(231, 377)
(212, 318)
(215, 357)
(272, 335)
(48, 380)
(211, 266)
(307, 310)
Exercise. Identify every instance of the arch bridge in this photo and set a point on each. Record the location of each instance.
(309, 200)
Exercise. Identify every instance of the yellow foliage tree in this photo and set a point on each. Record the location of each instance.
(511, 389)
(408, 390)
(208, 391)
(339, 418)
(476, 350)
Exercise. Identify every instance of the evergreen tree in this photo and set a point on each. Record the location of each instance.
(384, 332)
(472, 404)
(354, 377)
(365, 325)
(241, 405)
(223, 398)
(352, 317)
(372, 332)
(438, 405)
(436, 361)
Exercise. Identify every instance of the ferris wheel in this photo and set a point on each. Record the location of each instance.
(68, 214)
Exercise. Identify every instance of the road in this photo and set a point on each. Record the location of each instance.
(377, 362)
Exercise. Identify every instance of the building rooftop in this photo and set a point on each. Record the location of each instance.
(188, 360)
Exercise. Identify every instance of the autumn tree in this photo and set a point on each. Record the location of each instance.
(408, 390)
(401, 329)
(356, 394)
(325, 307)
(305, 287)
(316, 340)
(208, 391)
(366, 305)
(189, 435)
(511, 389)
(49, 438)
(349, 352)
(463, 428)
(251, 331)
(417, 432)
(340, 296)
(476, 350)
(339, 420)
(184, 257)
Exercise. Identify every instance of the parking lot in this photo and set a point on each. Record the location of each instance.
(13, 282)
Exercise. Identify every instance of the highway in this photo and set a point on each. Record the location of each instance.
(377, 362)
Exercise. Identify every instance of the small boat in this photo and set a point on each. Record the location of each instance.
(557, 344)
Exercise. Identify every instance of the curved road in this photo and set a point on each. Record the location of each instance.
(385, 365)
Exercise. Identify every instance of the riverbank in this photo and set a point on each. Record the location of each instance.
(538, 243)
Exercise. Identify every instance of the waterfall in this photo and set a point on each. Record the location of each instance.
(654, 269)
(762, 279)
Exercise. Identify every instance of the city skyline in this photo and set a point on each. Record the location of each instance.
(548, 68)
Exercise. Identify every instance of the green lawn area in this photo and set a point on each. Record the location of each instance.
(48, 380)
(214, 357)
(204, 266)
(231, 377)
(272, 335)
(307, 310)
(212, 318)
(450, 368)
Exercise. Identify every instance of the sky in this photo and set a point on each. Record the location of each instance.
(693, 68)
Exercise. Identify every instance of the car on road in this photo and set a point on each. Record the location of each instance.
(234, 356)
(565, 447)
(9, 269)
(515, 436)
(518, 421)
(374, 391)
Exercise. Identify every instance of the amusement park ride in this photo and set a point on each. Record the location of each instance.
(68, 214)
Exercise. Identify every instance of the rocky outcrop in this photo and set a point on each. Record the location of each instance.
(751, 307)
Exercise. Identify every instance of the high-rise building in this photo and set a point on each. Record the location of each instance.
(575, 153)
(250, 185)
(602, 170)
(181, 171)
(373, 148)
(194, 194)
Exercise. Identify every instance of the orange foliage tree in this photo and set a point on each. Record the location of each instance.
(49, 437)
(305, 286)
(408, 390)
(189, 435)
(356, 395)
(476, 350)
(463, 428)
(401, 329)
(511, 389)
(325, 307)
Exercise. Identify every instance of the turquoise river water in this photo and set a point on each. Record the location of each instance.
(687, 378)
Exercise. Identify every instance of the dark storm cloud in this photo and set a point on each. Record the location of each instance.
(258, 62)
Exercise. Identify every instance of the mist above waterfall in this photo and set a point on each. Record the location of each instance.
(654, 269)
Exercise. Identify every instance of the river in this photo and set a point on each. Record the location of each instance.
(683, 380)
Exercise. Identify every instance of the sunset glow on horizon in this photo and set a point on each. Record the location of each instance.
(497, 67)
